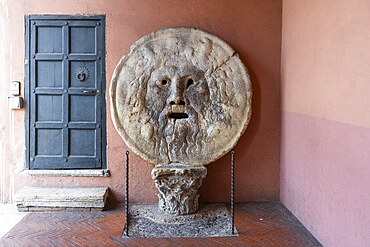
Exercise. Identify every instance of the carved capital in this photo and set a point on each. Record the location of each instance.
(178, 187)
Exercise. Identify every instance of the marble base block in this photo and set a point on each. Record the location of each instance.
(211, 220)
(178, 186)
(61, 199)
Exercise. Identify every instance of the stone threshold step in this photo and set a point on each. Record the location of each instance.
(61, 199)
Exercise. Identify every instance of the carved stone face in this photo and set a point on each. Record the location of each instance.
(176, 97)
(177, 90)
(180, 95)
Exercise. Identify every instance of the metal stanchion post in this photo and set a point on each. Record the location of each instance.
(126, 195)
(232, 193)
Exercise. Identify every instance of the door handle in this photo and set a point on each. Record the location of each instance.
(93, 91)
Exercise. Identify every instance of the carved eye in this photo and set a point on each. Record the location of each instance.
(189, 83)
(164, 82)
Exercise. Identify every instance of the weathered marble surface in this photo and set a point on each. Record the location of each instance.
(178, 186)
(180, 95)
(61, 198)
(211, 220)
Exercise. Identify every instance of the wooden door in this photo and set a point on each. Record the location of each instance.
(66, 93)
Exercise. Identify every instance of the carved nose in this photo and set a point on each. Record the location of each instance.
(177, 92)
(177, 101)
(176, 97)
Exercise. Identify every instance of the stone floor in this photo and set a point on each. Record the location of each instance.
(9, 217)
(258, 224)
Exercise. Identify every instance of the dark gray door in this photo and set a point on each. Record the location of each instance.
(66, 92)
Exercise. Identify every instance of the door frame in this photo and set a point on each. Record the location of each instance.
(27, 80)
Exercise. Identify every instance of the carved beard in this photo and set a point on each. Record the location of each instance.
(179, 135)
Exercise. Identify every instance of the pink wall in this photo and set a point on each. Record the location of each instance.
(251, 27)
(325, 151)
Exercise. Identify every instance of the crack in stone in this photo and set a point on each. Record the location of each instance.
(222, 64)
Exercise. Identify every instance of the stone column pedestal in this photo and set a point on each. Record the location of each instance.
(178, 186)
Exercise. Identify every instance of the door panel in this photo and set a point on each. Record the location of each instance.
(49, 108)
(81, 141)
(66, 92)
(49, 74)
(49, 142)
(49, 39)
(82, 114)
(82, 40)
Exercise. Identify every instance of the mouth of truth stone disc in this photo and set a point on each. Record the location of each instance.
(181, 95)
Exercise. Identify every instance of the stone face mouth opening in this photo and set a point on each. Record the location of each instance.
(178, 115)
(178, 111)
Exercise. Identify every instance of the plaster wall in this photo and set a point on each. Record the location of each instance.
(326, 119)
(251, 27)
